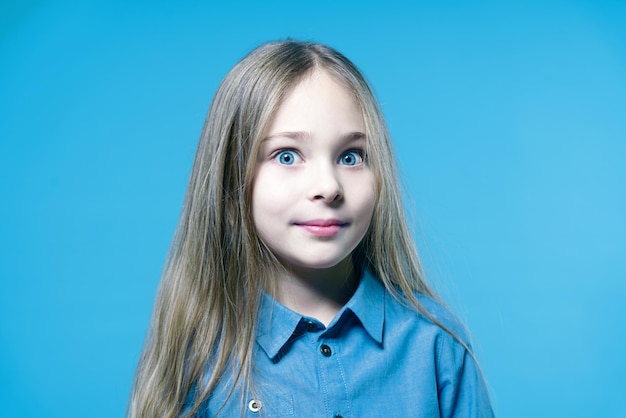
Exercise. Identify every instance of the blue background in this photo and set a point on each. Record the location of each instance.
(509, 122)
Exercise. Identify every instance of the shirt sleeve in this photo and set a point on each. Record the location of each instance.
(461, 386)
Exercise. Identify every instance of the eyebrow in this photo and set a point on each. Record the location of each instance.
(300, 135)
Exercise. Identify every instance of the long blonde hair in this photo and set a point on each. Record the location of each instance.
(208, 298)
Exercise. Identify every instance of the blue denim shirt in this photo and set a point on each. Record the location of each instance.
(376, 358)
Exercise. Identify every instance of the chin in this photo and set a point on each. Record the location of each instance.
(319, 264)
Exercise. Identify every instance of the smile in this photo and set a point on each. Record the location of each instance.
(322, 227)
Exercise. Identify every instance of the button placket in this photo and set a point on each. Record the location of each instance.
(332, 377)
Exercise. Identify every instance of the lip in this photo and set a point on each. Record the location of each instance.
(322, 227)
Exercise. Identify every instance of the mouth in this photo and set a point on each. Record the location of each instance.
(322, 227)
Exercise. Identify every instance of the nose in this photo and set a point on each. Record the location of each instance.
(325, 185)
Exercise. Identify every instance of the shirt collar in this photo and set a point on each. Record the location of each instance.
(368, 304)
(278, 324)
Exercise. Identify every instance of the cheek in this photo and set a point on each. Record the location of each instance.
(367, 198)
(369, 190)
(368, 210)
(270, 196)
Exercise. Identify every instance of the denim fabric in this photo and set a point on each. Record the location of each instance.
(377, 358)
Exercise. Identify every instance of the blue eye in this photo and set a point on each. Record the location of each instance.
(286, 157)
(351, 158)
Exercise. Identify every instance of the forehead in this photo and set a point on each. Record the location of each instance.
(318, 101)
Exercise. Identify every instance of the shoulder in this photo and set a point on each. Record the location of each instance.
(430, 318)
(460, 383)
(417, 316)
(444, 316)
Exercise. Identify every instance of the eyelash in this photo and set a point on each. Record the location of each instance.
(360, 154)
(276, 155)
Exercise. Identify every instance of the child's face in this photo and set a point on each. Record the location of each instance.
(313, 192)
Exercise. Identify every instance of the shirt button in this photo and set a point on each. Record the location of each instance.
(338, 416)
(310, 326)
(255, 405)
(326, 351)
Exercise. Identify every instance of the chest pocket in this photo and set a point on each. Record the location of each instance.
(267, 404)
(270, 405)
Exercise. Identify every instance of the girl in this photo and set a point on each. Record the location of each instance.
(293, 287)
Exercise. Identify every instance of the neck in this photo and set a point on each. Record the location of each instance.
(319, 293)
